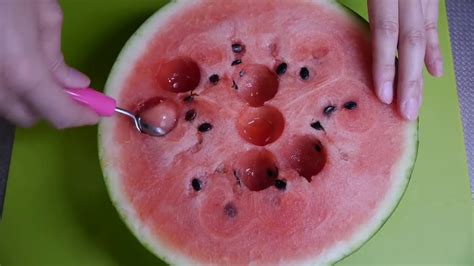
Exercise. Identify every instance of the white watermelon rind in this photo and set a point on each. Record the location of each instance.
(125, 62)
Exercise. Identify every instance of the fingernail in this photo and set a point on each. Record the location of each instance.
(439, 68)
(410, 109)
(387, 92)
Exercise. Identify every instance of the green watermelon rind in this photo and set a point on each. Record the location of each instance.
(131, 52)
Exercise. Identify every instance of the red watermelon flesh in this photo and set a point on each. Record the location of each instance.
(286, 157)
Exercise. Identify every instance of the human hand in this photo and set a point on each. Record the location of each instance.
(33, 73)
(411, 27)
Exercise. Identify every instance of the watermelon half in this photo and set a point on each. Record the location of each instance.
(278, 152)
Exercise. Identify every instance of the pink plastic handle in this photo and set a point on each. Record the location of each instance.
(102, 104)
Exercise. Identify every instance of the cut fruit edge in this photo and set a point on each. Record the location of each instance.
(132, 51)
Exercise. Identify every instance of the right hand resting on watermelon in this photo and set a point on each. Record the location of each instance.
(411, 27)
(33, 74)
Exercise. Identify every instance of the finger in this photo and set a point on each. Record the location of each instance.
(383, 16)
(412, 51)
(433, 57)
(58, 108)
(50, 100)
(50, 23)
(17, 113)
(34, 85)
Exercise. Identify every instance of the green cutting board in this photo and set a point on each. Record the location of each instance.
(58, 211)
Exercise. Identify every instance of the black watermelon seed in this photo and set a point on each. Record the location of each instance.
(188, 98)
(317, 147)
(237, 177)
(304, 73)
(236, 62)
(190, 115)
(230, 210)
(317, 125)
(237, 48)
(280, 184)
(329, 109)
(204, 127)
(350, 105)
(281, 69)
(241, 73)
(196, 184)
(234, 85)
(272, 172)
(214, 79)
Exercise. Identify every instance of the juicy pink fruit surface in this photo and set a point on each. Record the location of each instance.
(232, 218)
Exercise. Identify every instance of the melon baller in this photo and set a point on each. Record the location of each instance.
(106, 106)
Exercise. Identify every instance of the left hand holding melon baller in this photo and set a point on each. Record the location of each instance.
(106, 106)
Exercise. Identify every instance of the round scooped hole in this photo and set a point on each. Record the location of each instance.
(178, 75)
(306, 155)
(256, 169)
(261, 126)
(158, 112)
(256, 84)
